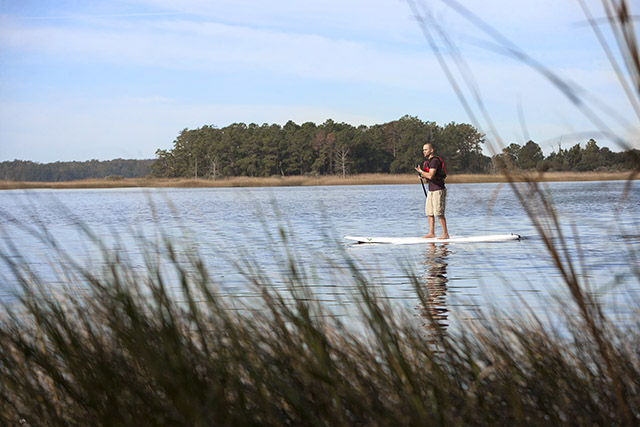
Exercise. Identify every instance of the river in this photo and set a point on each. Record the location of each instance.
(227, 225)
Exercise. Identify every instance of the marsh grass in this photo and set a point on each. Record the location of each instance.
(293, 181)
(120, 346)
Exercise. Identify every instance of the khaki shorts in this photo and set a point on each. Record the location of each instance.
(435, 204)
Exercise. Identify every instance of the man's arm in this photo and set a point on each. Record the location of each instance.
(427, 175)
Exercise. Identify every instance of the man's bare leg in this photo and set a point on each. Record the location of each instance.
(443, 224)
(432, 223)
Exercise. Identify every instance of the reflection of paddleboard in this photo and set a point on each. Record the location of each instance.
(453, 239)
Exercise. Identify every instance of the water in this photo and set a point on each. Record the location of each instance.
(232, 224)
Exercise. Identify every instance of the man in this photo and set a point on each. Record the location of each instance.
(434, 173)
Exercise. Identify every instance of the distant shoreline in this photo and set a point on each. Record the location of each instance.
(296, 181)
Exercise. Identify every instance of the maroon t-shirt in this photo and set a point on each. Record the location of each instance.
(437, 183)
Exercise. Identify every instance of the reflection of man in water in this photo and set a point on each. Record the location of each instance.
(435, 307)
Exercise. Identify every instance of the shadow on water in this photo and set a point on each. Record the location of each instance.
(433, 307)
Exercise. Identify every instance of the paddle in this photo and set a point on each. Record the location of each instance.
(423, 189)
(422, 182)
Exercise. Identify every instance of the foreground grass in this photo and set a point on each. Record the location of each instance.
(119, 348)
(288, 181)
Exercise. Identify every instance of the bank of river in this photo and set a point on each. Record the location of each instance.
(295, 181)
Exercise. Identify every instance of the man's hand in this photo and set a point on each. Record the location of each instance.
(421, 173)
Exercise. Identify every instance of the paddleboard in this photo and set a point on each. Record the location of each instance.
(452, 239)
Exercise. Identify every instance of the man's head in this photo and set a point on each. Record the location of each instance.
(427, 150)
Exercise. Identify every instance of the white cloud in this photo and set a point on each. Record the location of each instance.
(388, 20)
(196, 46)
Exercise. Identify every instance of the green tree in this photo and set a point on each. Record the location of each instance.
(591, 158)
(460, 145)
(270, 150)
(324, 145)
(345, 142)
(375, 157)
(409, 135)
(573, 157)
(508, 158)
(297, 148)
(530, 156)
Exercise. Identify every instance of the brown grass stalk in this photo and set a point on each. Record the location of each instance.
(294, 181)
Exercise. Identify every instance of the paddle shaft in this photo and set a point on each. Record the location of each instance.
(423, 189)
(422, 181)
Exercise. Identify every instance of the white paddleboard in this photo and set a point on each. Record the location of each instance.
(452, 239)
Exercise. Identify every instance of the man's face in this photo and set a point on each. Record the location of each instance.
(427, 150)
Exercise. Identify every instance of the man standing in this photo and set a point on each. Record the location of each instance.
(433, 171)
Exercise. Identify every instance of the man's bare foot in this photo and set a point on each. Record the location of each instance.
(429, 236)
(444, 236)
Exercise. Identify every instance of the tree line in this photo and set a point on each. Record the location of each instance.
(341, 149)
(575, 159)
(310, 149)
(21, 170)
(329, 148)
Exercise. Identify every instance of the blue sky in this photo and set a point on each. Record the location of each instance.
(102, 79)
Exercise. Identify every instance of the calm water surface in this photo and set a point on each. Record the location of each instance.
(232, 224)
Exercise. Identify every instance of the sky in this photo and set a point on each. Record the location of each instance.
(106, 79)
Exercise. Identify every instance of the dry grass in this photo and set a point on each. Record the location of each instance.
(293, 181)
(543, 177)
